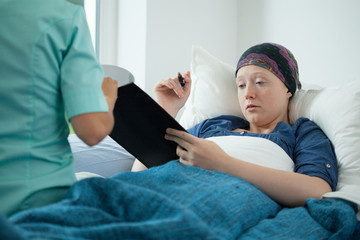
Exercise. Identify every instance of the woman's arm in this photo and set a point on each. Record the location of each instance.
(287, 188)
(91, 128)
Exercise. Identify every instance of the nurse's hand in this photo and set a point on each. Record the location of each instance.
(109, 88)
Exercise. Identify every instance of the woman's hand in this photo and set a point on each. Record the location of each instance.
(197, 152)
(170, 95)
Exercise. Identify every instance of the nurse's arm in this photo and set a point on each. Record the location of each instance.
(91, 128)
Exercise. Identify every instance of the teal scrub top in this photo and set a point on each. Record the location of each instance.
(47, 68)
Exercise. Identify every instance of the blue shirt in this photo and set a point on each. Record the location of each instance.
(47, 67)
(304, 142)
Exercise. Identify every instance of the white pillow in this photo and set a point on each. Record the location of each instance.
(213, 89)
(246, 148)
(335, 110)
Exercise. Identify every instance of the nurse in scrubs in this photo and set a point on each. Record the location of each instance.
(49, 75)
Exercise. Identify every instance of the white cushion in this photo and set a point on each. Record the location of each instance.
(213, 89)
(246, 148)
(336, 110)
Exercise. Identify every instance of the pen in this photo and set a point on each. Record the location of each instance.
(181, 80)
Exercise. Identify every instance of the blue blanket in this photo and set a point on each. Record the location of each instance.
(175, 201)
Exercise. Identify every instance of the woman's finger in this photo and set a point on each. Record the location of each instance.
(183, 161)
(181, 152)
(176, 86)
(181, 142)
(182, 135)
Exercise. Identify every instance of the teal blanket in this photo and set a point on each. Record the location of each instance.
(175, 201)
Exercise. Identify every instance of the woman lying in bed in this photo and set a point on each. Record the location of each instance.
(267, 78)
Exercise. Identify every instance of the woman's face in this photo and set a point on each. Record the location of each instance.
(263, 97)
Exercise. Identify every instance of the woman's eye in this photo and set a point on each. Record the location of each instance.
(241, 85)
(259, 82)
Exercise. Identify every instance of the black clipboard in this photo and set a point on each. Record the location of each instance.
(140, 125)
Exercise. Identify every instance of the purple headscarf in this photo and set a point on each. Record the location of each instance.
(275, 58)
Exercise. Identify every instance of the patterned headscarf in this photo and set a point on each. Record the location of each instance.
(275, 58)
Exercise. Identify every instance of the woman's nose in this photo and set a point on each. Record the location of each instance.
(249, 91)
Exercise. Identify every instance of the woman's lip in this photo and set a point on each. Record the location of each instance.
(251, 107)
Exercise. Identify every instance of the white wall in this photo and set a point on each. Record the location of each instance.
(108, 32)
(174, 25)
(153, 38)
(324, 35)
(132, 30)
